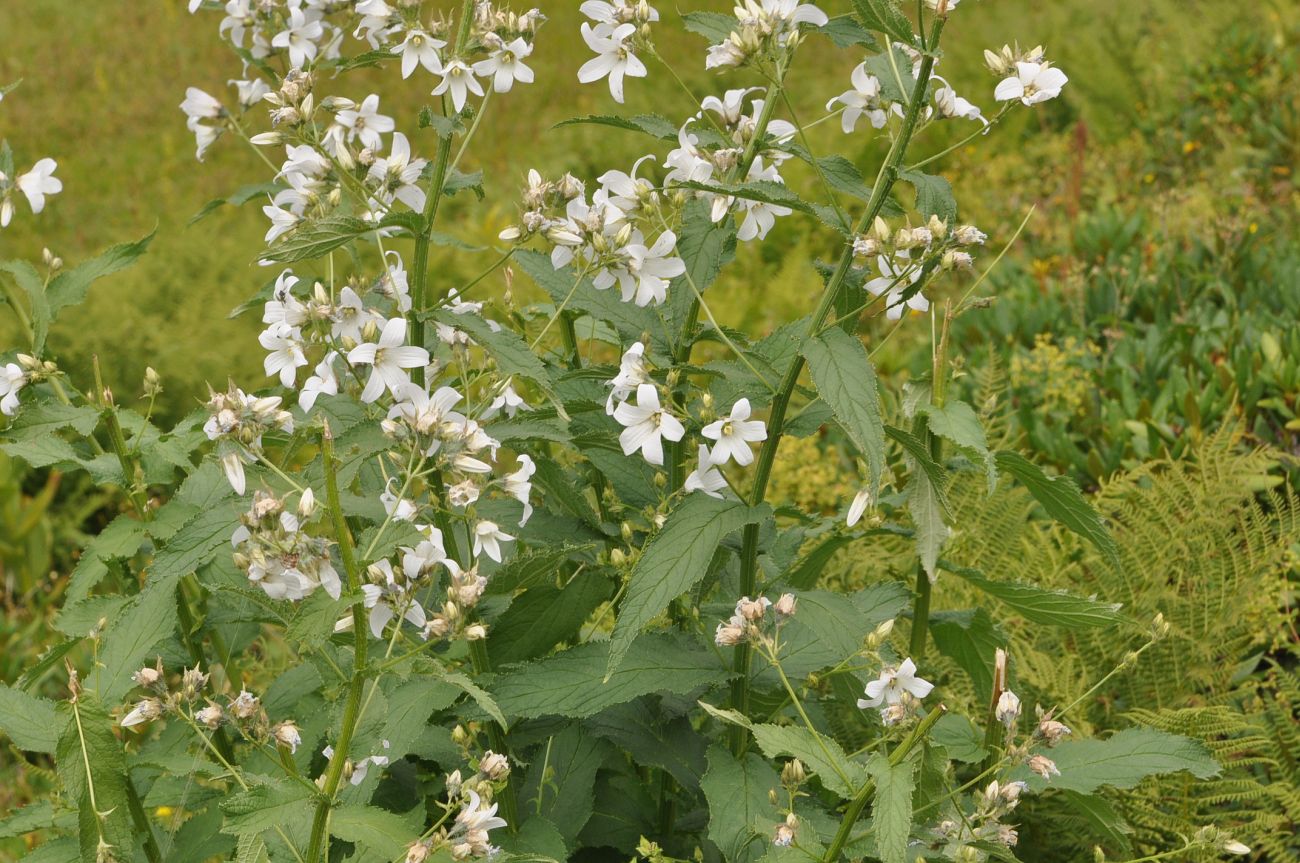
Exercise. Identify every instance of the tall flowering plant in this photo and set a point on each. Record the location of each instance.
(463, 578)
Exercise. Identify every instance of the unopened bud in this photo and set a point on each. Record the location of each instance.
(793, 773)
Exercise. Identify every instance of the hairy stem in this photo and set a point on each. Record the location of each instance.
(868, 791)
(885, 180)
(352, 707)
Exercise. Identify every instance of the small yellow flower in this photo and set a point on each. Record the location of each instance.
(162, 813)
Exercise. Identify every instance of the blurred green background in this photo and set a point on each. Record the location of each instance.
(102, 81)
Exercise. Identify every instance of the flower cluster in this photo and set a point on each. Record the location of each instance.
(764, 29)
(751, 621)
(606, 238)
(896, 693)
(903, 257)
(277, 555)
(617, 30)
(1026, 76)
(237, 422)
(243, 712)
(984, 825)
(476, 813)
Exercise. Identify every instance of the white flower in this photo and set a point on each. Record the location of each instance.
(419, 49)
(282, 221)
(645, 272)
(730, 108)
(488, 538)
(1008, 709)
(322, 382)
(896, 279)
(365, 122)
(631, 374)
(147, 710)
(613, 57)
(304, 28)
(706, 477)
(953, 106)
(39, 182)
(734, 435)
(687, 162)
(401, 172)
(388, 359)
(286, 355)
(199, 105)
(399, 509)
(12, 380)
(861, 501)
(759, 216)
(424, 556)
(617, 12)
(794, 13)
(646, 425)
(508, 400)
(505, 65)
(459, 78)
(519, 485)
(474, 820)
(351, 316)
(1032, 83)
(862, 101)
(286, 734)
(384, 600)
(891, 685)
(250, 92)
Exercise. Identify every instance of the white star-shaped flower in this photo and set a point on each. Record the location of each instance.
(388, 358)
(647, 425)
(891, 685)
(734, 435)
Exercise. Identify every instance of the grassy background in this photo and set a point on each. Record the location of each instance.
(102, 82)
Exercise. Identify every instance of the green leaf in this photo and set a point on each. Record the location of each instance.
(894, 70)
(884, 15)
(32, 723)
(960, 738)
(1063, 502)
(1122, 761)
(33, 816)
(933, 195)
(673, 561)
(846, 381)
(705, 247)
(319, 238)
(264, 807)
(805, 574)
(1101, 816)
(508, 348)
(714, 26)
(39, 420)
(651, 124)
(831, 626)
(970, 639)
(134, 634)
(531, 568)
(34, 286)
(241, 196)
(121, 539)
(925, 504)
(1041, 605)
(821, 754)
(574, 683)
(629, 319)
(740, 814)
(768, 192)
(69, 287)
(481, 697)
(891, 811)
(845, 32)
(545, 616)
(561, 778)
(654, 737)
(958, 422)
(372, 829)
(198, 541)
(92, 770)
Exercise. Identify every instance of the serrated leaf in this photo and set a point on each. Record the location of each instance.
(39, 420)
(651, 124)
(1101, 816)
(831, 626)
(372, 829)
(574, 683)
(89, 757)
(265, 807)
(846, 381)
(885, 16)
(133, 635)
(846, 32)
(630, 320)
(38, 304)
(893, 68)
(970, 639)
(740, 814)
(69, 287)
(1122, 761)
(821, 754)
(958, 422)
(1041, 605)
(1063, 502)
(241, 196)
(534, 567)
(508, 348)
(32, 723)
(673, 561)
(565, 795)
(891, 809)
(933, 195)
(715, 26)
(545, 616)
(705, 247)
(768, 192)
(197, 542)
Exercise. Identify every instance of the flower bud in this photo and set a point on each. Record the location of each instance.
(209, 716)
(785, 606)
(307, 504)
(793, 773)
(286, 734)
(494, 766)
(147, 676)
(1043, 766)
(1008, 709)
(475, 632)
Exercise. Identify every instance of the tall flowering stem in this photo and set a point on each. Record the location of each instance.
(868, 791)
(352, 708)
(437, 181)
(885, 180)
